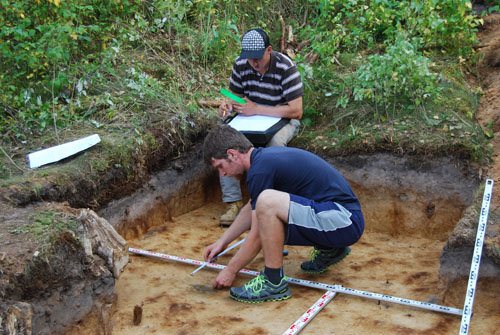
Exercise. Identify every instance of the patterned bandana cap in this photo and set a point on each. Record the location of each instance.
(253, 45)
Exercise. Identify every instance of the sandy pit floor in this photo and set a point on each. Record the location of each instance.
(173, 302)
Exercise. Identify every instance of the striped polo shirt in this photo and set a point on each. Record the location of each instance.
(278, 86)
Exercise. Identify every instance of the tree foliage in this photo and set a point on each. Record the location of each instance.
(66, 60)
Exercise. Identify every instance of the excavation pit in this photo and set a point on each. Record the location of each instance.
(410, 207)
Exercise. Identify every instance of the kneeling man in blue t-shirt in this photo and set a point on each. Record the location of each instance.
(296, 198)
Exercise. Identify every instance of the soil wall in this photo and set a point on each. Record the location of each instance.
(399, 196)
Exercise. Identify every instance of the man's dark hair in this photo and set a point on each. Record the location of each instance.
(220, 139)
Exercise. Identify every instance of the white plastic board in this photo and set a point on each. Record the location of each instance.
(61, 151)
(253, 123)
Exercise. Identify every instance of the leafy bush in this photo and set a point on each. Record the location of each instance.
(396, 78)
(39, 43)
(341, 25)
(51, 48)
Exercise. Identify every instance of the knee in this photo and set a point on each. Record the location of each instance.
(265, 201)
(277, 141)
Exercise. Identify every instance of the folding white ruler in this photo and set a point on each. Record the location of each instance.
(476, 258)
(308, 283)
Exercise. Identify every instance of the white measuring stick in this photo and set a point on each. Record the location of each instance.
(219, 254)
(327, 287)
(187, 260)
(310, 313)
(402, 301)
(476, 258)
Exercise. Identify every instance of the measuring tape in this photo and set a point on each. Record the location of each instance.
(310, 313)
(327, 287)
(377, 296)
(476, 258)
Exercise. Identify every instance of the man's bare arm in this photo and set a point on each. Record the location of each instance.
(247, 252)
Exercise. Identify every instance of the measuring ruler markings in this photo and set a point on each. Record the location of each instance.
(328, 287)
(377, 296)
(476, 258)
(298, 325)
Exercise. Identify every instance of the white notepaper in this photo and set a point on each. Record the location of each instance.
(58, 152)
(253, 123)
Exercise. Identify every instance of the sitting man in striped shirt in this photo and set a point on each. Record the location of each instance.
(271, 85)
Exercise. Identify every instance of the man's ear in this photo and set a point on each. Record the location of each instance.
(231, 153)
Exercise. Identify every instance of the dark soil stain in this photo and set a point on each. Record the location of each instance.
(297, 295)
(375, 261)
(301, 291)
(137, 315)
(155, 230)
(132, 269)
(258, 331)
(420, 289)
(155, 280)
(428, 263)
(415, 276)
(156, 298)
(443, 327)
(175, 307)
(175, 240)
(279, 306)
(203, 289)
(196, 249)
(364, 243)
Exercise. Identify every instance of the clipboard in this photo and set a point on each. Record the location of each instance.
(258, 129)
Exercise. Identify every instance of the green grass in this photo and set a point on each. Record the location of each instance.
(45, 227)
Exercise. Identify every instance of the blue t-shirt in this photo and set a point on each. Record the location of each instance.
(298, 172)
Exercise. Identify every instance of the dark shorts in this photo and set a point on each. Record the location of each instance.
(322, 224)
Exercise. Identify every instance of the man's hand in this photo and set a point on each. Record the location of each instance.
(250, 108)
(225, 278)
(225, 108)
(212, 250)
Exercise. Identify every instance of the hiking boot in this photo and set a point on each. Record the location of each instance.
(322, 259)
(260, 289)
(232, 211)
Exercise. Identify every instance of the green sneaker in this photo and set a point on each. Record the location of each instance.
(260, 289)
(322, 259)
